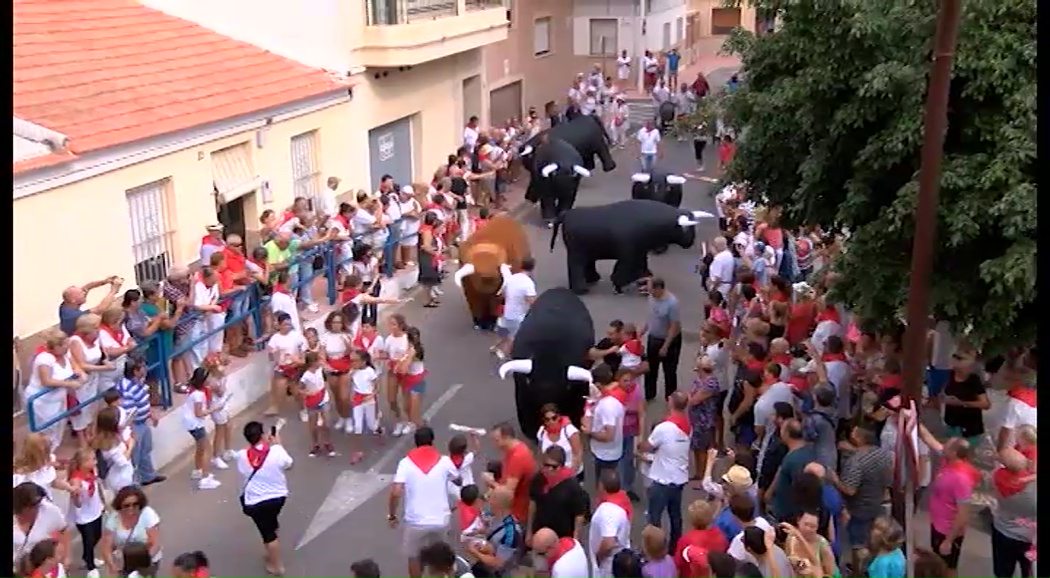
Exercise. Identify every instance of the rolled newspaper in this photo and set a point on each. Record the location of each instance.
(280, 424)
(466, 429)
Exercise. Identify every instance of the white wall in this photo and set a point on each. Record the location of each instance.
(630, 26)
(317, 33)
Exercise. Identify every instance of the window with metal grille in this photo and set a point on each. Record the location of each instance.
(151, 232)
(306, 174)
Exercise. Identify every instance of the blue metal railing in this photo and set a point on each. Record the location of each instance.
(155, 351)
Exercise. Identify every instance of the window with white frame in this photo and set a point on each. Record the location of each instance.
(604, 36)
(541, 36)
(152, 235)
(306, 172)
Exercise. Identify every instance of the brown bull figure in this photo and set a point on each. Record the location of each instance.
(488, 257)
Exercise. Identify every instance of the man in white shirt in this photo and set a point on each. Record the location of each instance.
(723, 267)
(519, 292)
(564, 557)
(422, 480)
(661, 93)
(605, 427)
(610, 528)
(669, 472)
(648, 146)
(327, 206)
(589, 103)
(470, 133)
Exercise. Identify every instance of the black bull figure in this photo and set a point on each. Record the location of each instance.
(547, 358)
(585, 133)
(625, 231)
(658, 185)
(555, 177)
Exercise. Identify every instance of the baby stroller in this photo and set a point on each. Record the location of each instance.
(665, 116)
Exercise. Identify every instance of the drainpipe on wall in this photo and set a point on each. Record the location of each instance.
(639, 43)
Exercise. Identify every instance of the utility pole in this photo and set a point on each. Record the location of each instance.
(935, 124)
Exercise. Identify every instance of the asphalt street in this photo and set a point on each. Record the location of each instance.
(336, 513)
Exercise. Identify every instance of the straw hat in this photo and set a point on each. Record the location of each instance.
(738, 476)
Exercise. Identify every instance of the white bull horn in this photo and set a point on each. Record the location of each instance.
(683, 221)
(577, 373)
(505, 273)
(526, 151)
(641, 177)
(515, 366)
(675, 180)
(581, 171)
(547, 170)
(465, 270)
(702, 215)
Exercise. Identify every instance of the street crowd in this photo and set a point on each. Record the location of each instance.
(798, 398)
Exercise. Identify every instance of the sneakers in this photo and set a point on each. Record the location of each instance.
(314, 451)
(219, 464)
(93, 573)
(229, 455)
(196, 475)
(330, 449)
(304, 416)
(208, 483)
(408, 429)
(340, 423)
(348, 426)
(399, 429)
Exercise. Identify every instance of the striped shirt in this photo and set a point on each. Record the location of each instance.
(134, 397)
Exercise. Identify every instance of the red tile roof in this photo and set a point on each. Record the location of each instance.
(109, 72)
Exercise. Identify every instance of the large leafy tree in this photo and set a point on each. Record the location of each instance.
(832, 113)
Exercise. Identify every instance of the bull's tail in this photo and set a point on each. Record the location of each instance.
(556, 226)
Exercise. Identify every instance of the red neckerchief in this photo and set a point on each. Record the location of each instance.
(52, 573)
(634, 346)
(118, 336)
(555, 428)
(200, 573)
(88, 342)
(89, 478)
(287, 216)
(799, 383)
(425, 458)
(782, 359)
(209, 240)
(348, 295)
(364, 342)
(278, 288)
(561, 548)
(457, 459)
(615, 391)
(233, 255)
(207, 396)
(891, 381)
(1023, 394)
(829, 357)
(1009, 483)
(680, 421)
(345, 222)
(963, 467)
(829, 314)
(1029, 452)
(257, 455)
(467, 515)
(551, 479)
(618, 499)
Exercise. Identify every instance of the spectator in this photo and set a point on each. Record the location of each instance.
(648, 145)
(610, 528)
(132, 520)
(153, 307)
(37, 519)
(812, 493)
(53, 375)
(558, 431)
(743, 509)
(518, 468)
(799, 454)
(1013, 522)
(141, 326)
(114, 453)
(178, 288)
(760, 550)
(263, 465)
(190, 565)
(411, 212)
(212, 242)
(806, 543)
(505, 543)
(565, 557)
(366, 568)
(702, 536)
(627, 564)
(669, 472)
(35, 463)
(74, 298)
(116, 342)
(557, 499)
(769, 460)
(238, 273)
(887, 554)
(304, 243)
(866, 475)
(605, 427)
(965, 398)
(135, 400)
(207, 328)
(821, 426)
(664, 344)
(87, 353)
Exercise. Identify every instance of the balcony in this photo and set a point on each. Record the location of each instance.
(411, 32)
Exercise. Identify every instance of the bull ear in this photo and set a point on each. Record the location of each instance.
(675, 180)
(641, 177)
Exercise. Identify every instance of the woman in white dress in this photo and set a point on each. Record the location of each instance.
(54, 374)
(35, 463)
(86, 349)
(623, 69)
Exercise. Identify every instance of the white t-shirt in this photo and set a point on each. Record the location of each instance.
(608, 521)
(566, 433)
(362, 221)
(190, 421)
(121, 472)
(364, 380)
(91, 506)
(285, 303)
(649, 140)
(204, 295)
(572, 564)
(465, 473)
(824, 330)
(649, 64)
(1017, 414)
(720, 356)
(43, 477)
(608, 412)
(736, 545)
(269, 482)
(287, 346)
(49, 521)
(410, 226)
(723, 266)
(395, 347)
(470, 136)
(335, 345)
(313, 381)
(426, 494)
(623, 67)
(777, 392)
(671, 456)
(326, 203)
(520, 287)
(148, 519)
(54, 395)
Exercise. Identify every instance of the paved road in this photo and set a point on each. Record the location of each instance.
(336, 513)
